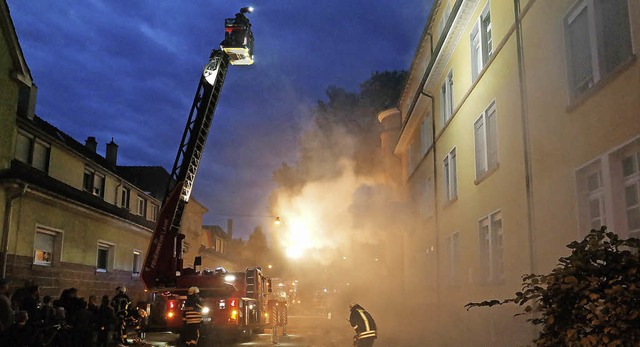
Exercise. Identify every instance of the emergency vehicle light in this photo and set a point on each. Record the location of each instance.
(234, 314)
(229, 278)
(170, 314)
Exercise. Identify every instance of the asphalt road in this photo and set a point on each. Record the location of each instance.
(302, 331)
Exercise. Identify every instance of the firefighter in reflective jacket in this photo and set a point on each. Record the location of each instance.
(192, 317)
(364, 325)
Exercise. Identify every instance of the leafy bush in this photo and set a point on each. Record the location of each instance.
(591, 298)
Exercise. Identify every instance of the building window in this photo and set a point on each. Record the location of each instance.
(450, 176)
(154, 213)
(142, 207)
(591, 204)
(105, 256)
(137, 263)
(598, 39)
(426, 134)
(93, 182)
(631, 182)
(485, 134)
(443, 20)
(44, 247)
(453, 258)
(125, 197)
(491, 248)
(446, 97)
(32, 151)
(481, 43)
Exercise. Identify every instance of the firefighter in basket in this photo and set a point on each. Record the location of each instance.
(364, 325)
(192, 317)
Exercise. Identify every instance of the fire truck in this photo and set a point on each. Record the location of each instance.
(235, 302)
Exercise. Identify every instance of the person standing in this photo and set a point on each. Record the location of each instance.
(104, 322)
(6, 312)
(364, 325)
(120, 304)
(192, 317)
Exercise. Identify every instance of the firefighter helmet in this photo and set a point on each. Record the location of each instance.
(121, 289)
(352, 304)
(193, 290)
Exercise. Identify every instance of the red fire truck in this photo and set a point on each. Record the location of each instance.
(236, 302)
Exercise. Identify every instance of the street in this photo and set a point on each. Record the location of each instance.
(302, 331)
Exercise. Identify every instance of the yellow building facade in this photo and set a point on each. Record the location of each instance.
(518, 131)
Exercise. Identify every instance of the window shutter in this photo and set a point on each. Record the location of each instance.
(492, 137)
(580, 52)
(616, 32)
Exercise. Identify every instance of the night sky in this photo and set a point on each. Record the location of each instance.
(129, 70)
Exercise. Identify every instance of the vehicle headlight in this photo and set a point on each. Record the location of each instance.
(229, 278)
(205, 310)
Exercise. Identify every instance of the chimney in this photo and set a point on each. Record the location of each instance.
(230, 228)
(112, 153)
(91, 143)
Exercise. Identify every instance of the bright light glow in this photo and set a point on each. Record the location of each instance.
(234, 314)
(302, 236)
(270, 266)
(170, 314)
(250, 9)
(277, 221)
(205, 310)
(229, 278)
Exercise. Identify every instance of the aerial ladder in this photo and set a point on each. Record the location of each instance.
(163, 267)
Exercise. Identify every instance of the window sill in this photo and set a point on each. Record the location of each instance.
(37, 263)
(578, 100)
(101, 271)
(486, 174)
(135, 274)
(450, 202)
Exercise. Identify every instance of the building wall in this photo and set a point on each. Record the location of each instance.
(544, 137)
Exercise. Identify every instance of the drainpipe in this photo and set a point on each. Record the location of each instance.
(7, 226)
(526, 142)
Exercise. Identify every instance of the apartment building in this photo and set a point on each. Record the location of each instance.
(517, 132)
(70, 216)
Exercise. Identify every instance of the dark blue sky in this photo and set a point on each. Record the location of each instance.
(129, 70)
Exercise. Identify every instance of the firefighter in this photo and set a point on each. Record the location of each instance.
(192, 317)
(120, 304)
(364, 325)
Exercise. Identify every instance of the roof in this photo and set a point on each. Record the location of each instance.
(151, 179)
(22, 72)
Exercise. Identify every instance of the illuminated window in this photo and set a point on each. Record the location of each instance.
(32, 151)
(490, 236)
(93, 182)
(481, 43)
(486, 144)
(137, 263)
(598, 40)
(105, 256)
(449, 173)
(446, 98)
(44, 246)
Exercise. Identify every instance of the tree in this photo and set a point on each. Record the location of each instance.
(591, 298)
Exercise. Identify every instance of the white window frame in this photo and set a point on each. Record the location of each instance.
(56, 246)
(631, 180)
(446, 98)
(111, 253)
(595, 38)
(491, 248)
(485, 132)
(136, 263)
(141, 207)
(481, 42)
(125, 198)
(453, 259)
(95, 190)
(450, 175)
(153, 215)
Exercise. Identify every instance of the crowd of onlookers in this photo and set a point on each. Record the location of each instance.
(26, 320)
